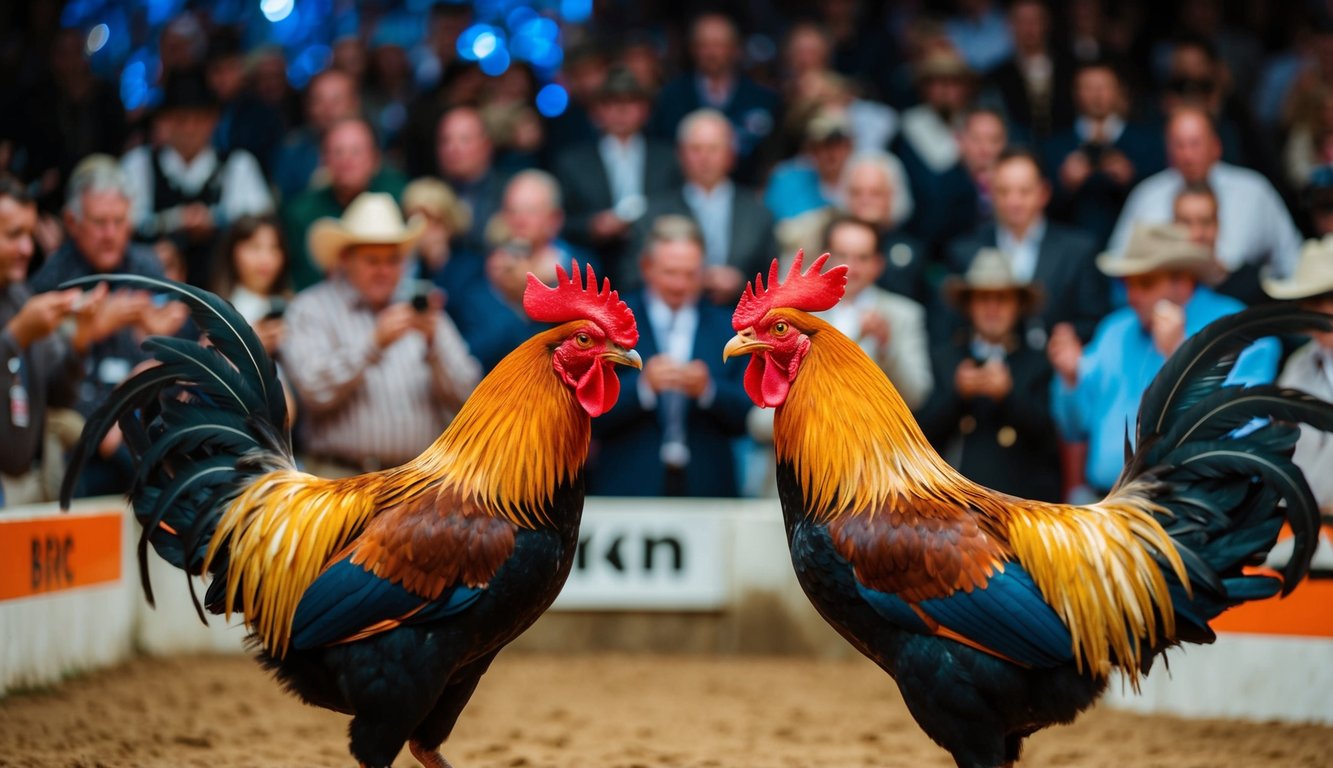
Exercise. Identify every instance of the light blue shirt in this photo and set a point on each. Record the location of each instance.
(1116, 368)
(794, 188)
(984, 42)
(712, 211)
(1022, 253)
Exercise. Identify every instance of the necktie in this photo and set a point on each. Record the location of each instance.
(675, 452)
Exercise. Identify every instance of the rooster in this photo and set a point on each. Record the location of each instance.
(998, 616)
(384, 596)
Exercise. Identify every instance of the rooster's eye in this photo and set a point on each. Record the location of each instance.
(583, 340)
(779, 328)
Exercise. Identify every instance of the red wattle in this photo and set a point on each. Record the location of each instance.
(766, 382)
(598, 390)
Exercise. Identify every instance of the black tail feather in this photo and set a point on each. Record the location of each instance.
(201, 424)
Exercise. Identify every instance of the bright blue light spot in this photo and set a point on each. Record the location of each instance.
(552, 100)
(576, 11)
(477, 41)
(540, 28)
(547, 56)
(97, 37)
(496, 63)
(161, 11)
(289, 30)
(134, 85)
(517, 17)
(277, 10)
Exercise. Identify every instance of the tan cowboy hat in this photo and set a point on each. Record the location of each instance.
(1313, 275)
(990, 271)
(373, 218)
(1154, 247)
(941, 62)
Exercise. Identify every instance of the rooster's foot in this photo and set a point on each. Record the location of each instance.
(429, 758)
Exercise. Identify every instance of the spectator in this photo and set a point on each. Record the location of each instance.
(465, 157)
(378, 378)
(1053, 257)
(331, 97)
(436, 258)
(251, 273)
(97, 217)
(1309, 139)
(1097, 389)
(44, 366)
(1036, 83)
(670, 432)
(928, 141)
(717, 83)
(736, 228)
(490, 314)
(958, 199)
(1197, 78)
(607, 184)
(980, 32)
(353, 165)
(1318, 200)
(1195, 209)
(810, 180)
(1104, 154)
(889, 327)
(1310, 368)
(184, 190)
(244, 121)
(989, 414)
(1255, 229)
(531, 217)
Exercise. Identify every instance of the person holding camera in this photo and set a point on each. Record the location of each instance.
(379, 373)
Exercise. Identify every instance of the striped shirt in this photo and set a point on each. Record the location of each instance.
(366, 406)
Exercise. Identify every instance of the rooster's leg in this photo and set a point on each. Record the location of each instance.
(429, 758)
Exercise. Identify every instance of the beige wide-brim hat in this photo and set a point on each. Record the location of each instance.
(990, 271)
(373, 218)
(1154, 247)
(1312, 277)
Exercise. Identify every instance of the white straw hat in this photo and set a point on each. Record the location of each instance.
(373, 218)
(1313, 275)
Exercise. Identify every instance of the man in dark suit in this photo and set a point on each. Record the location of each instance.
(1057, 258)
(989, 413)
(671, 431)
(607, 183)
(1036, 83)
(1099, 159)
(737, 229)
(716, 82)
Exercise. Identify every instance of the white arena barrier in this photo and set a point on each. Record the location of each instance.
(644, 564)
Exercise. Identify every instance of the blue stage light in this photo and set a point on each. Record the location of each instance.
(552, 100)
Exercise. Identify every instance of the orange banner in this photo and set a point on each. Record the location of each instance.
(1306, 612)
(52, 554)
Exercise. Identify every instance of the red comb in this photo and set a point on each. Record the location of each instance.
(809, 291)
(569, 300)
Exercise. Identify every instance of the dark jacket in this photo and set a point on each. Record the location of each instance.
(1095, 206)
(754, 111)
(627, 440)
(1009, 445)
(45, 374)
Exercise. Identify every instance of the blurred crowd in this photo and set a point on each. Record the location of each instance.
(1037, 203)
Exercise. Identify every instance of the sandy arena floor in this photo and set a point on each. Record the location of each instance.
(603, 712)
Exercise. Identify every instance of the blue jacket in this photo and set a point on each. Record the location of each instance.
(1115, 371)
(627, 440)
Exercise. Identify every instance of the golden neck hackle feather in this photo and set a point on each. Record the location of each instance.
(519, 436)
(856, 449)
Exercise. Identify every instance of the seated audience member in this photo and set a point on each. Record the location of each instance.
(810, 180)
(43, 365)
(1097, 161)
(671, 432)
(97, 218)
(989, 414)
(736, 228)
(184, 190)
(1056, 258)
(465, 158)
(437, 260)
(607, 183)
(1254, 228)
(717, 83)
(1195, 209)
(330, 98)
(1318, 200)
(251, 273)
(889, 327)
(1310, 368)
(489, 313)
(377, 376)
(874, 189)
(352, 165)
(1097, 389)
(1036, 82)
(531, 216)
(958, 199)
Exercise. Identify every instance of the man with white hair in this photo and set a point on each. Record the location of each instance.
(737, 229)
(97, 219)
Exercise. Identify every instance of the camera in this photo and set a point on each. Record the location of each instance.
(1094, 152)
(420, 298)
(276, 308)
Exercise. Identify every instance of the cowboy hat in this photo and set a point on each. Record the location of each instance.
(1312, 277)
(373, 218)
(1154, 247)
(990, 271)
(941, 62)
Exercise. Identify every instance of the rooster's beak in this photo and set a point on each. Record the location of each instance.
(743, 343)
(623, 356)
